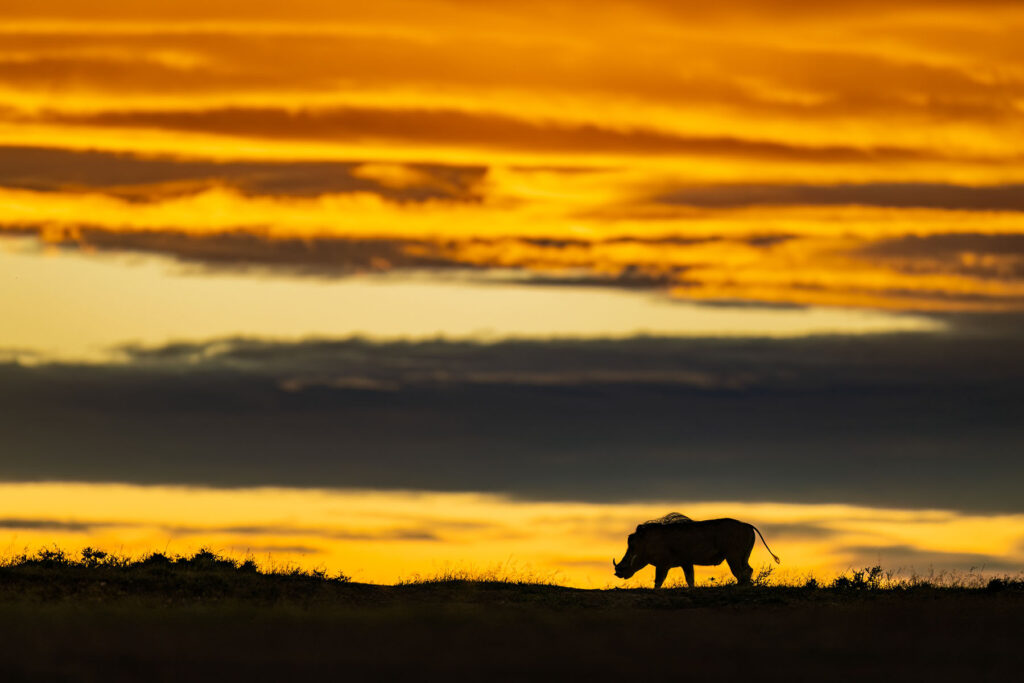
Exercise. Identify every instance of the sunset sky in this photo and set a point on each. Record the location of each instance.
(394, 286)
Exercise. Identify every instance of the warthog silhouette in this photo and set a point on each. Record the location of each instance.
(677, 541)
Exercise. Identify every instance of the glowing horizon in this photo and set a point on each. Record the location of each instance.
(390, 536)
(160, 302)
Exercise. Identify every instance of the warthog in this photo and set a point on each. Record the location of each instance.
(677, 541)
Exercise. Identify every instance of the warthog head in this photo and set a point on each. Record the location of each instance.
(633, 561)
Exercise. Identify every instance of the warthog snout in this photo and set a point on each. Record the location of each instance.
(625, 569)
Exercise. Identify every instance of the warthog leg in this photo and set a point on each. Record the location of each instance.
(659, 576)
(688, 571)
(740, 569)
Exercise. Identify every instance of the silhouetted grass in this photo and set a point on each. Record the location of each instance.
(51, 574)
(101, 617)
(506, 573)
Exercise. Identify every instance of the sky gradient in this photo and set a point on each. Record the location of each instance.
(523, 260)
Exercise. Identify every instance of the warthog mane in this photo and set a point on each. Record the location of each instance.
(670, 518)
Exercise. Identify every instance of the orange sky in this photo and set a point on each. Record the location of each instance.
(385, 537)
(188, 186)
(864, 155)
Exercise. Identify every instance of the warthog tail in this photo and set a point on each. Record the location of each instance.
(777, 560)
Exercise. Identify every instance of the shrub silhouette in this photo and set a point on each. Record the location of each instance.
(869, 578)
(52, 573)
(92, 558)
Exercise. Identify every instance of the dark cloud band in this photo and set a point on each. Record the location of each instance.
(480, 130)
(899, 421)
(140, 178)
(895, 195)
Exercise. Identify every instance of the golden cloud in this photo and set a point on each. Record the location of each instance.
(761, 153)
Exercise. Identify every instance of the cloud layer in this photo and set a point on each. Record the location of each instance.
(898, 421)
(769, 153)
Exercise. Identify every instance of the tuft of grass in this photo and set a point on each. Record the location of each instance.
(869, 578)
(506, 573)
(763, 576)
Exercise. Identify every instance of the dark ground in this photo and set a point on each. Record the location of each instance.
(189, 620)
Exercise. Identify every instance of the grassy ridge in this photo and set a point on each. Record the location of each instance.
(52, 575)
(157, 618)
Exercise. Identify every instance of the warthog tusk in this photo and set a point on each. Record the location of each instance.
(613, 563)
